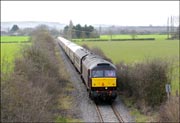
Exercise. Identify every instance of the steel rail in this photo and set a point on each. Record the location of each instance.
(119, 117)
(99, 114)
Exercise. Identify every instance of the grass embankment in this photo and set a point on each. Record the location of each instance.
(65, 100)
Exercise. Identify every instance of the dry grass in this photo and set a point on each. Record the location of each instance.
(169, 112)
(21, 102)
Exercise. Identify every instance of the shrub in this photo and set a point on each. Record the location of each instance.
(123, 77)
(31, 92)
(145, 81)
(86, 47)
(22, 102)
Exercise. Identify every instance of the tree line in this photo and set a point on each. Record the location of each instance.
(70, 31)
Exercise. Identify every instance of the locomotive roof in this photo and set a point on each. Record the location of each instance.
(91, 61)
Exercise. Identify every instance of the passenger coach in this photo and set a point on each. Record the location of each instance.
(98, 74)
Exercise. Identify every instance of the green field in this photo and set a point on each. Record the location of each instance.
(14, 39)
(127, 51)
(8, 53)
(11, 50)
(138, 51)
(125, 36)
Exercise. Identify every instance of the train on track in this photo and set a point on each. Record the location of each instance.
(98, 74)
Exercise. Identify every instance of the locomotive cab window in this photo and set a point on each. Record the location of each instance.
(109, 73)
(103, 73)
(97, 73)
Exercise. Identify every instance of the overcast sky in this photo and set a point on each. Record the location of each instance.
(131, 13)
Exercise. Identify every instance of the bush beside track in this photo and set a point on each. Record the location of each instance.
(145, 84)
(145, 81)
(30, 93)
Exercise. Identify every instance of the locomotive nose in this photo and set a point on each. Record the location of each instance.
(103, 82)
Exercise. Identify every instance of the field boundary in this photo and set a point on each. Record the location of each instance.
(127, 39)
(16, 42)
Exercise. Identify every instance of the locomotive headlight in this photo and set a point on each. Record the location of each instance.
(106, 87)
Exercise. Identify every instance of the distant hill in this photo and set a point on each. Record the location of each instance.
(31, 24)
(116, 29)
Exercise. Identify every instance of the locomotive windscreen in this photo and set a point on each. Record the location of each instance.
(104, 73)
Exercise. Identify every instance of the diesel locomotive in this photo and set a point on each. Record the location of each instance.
(99, 75)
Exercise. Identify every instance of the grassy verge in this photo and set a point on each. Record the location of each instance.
(175, 88)
(66, 100)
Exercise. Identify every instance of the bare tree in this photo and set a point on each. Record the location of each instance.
(100, 30)
(83, 35)
(168, 28)
(110, 33)
(70, 30)
(133, 34)
(173, 27)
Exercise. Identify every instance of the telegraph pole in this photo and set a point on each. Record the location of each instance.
(168, 28)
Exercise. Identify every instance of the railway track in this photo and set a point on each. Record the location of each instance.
(105, 113)
(117, 114)
(99, 114)
(108, 113)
